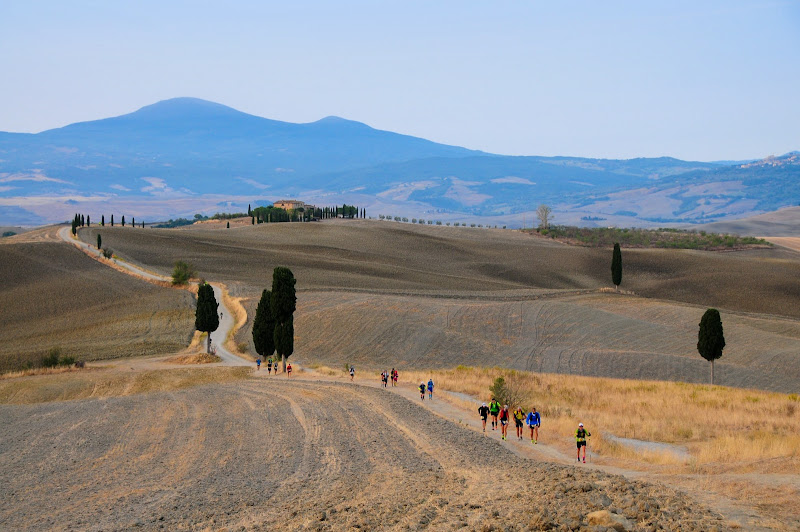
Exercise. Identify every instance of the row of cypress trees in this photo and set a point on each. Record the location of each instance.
(79, 220)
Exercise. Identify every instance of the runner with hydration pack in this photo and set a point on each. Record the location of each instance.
(534, 420)
(494, 409)
(519, 417)
(430, 389)
(580, 437)
(504, 422)
(352, 372)
(483, 410)
(394, 377)
(258, 364)
(269, 367)
(422, 391)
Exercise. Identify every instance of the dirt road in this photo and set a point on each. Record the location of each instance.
(226, 322)
(295, 454)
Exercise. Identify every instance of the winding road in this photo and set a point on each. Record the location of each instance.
(226, 322)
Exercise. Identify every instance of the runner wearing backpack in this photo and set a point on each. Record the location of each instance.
(519, 417)
(430, 389)
(534, 420)
(483, 410)
(494, 409)
(504, 421)
(422, 391)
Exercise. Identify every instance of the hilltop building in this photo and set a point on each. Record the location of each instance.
(290, 205)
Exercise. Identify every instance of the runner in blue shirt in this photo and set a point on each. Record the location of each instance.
(430, 389)
(534, 420)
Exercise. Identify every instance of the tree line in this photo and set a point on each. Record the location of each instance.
(80, 220)
(272, 214)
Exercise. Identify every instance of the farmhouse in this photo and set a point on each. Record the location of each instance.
(289, 205)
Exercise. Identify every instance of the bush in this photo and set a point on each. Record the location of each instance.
(182, 273)
(242, 347)
(50, 360)
(107, 253)
(67, 361)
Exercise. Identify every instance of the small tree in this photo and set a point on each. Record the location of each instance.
(102, 220)
(710, 338)
(88, 221)
(99, 241)
(506, 392)
(283, 302)
(123, 220)
(544, 214)
(264, 326)
(182, 272)
(616, 267)
(206, 318)
(133, 222)
(228, 225)
(112, 220)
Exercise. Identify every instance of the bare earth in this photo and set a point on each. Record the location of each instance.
(272, 454)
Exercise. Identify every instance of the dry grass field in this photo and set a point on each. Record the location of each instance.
(53, 295)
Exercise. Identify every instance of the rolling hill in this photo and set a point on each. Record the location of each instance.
(185, 155)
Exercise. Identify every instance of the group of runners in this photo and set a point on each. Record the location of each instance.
(386, 376)
(501, 416)
(423, 387)
(270, 365)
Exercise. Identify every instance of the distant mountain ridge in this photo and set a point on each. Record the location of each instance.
(187, 148)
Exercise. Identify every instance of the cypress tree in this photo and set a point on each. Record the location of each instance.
(99, 241)
(133, 222)
(710, 338)
(83, 221)
(206, 318)
(74, 227)
(112, 220)
(249, 210)
(264, 326)
(142, 225)
(616, 267)
(123, 220)
(88, 221)
(283, 302)
(102, 220)
(253, 221)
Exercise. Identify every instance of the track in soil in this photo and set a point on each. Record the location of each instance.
(272, 453)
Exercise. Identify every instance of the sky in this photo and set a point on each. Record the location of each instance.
(711, 80)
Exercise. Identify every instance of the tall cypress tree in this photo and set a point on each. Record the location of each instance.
(206, 318)
(112, 220)
(102, 220)
(123, 220)
(616, 267)
(133, 222)
(264, 326)
(99, 241)
(249, 210)
(710, 338)
(88, 221)
(283, 302)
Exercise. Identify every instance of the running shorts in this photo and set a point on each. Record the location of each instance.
(581, 444)
(504, 422)
(518, 423)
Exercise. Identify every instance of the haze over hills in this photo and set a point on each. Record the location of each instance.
(186, 155)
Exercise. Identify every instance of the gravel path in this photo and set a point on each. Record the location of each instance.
(269, 453)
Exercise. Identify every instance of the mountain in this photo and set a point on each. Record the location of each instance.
(186, 155)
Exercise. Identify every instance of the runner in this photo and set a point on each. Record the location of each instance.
(534, 420)
(269, 366)
(289, 370)
(258, 364)
(483, 410)
(580, 438)
(384, 378)
(430, 389)
(519, 417)
(494, 409)
(394, 377)
(352, 372)
(504, 422)
(422, 391)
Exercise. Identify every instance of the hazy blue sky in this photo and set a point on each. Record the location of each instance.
(695, 80)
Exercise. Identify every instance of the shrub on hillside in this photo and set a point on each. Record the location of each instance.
(50, 360)
(182, 273)
(108, 253)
